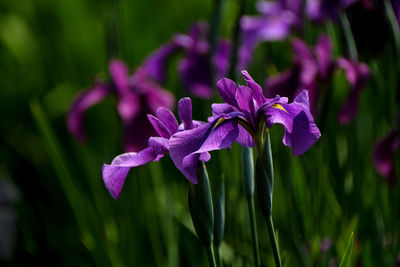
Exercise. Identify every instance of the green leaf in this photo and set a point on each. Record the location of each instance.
(346, 260)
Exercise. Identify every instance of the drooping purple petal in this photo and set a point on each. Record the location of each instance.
(114, 175)
(82, 102)
(300, 130)
(357, 74)
(383, 155)
(185, 112)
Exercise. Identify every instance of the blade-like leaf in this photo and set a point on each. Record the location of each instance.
(346, 260)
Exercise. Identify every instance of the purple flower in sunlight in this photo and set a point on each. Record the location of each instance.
(357, 74)
(383, 155)
(311, 69)
(165, 126)
(274, 23)
(137, 95)
(243, 118)
(318, 10)
(197, 66)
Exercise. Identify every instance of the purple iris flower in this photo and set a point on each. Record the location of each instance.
(383, 155)
(165, 126)
(243, 118)
(319, 10)
(275, 23)
(137, 95)
(197, 66)
(313, 69)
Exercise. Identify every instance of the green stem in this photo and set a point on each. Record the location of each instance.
(254, 235)
(274, 243)
(235, 38)
(210, 256)
(218, 258)
(349, 36)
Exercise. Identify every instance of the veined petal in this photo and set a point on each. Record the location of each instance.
(255, 87)
(159, 126)
(244, 98)
(227, 90)
(185, 143)
(168, 119)
(221, 136)
(185, 112)
(300, 130)
(114, 175)
(244, 138)
(81, 103)
(219, 109)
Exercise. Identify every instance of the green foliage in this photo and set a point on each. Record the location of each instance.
(50, 50)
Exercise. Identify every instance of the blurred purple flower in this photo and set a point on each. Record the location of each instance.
(310, 70)
(274, 23)
(326, 244)
(383, 155)
(357, 74)
(240, 119)
(137, 95)
(197, 66)
(319, 10)
(165, 125)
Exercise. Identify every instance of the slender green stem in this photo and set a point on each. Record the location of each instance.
(235, 38)
(254, 235)
(349, 36)
(218, 258)
(210, 256)
(274, 243)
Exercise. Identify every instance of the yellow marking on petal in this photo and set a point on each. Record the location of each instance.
(220, 120)
(279, 107)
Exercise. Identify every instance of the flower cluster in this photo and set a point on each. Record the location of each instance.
(243, 117)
